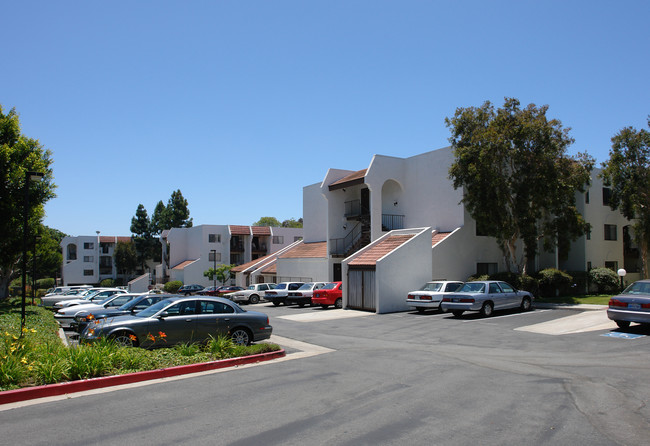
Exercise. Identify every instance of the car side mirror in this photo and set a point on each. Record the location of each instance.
(163, 315)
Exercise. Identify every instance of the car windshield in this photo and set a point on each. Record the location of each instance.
(155, 308)
(638, 288)
(329, 286)
(473, 288)
(306, 286)
(435, 286)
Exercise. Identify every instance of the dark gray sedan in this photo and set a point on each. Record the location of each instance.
(485, 297)
(179, 320)
(632, 305)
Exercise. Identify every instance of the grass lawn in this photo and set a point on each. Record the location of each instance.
(40, 357)
(591, 299)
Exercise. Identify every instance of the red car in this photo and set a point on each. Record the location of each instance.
(330, 294)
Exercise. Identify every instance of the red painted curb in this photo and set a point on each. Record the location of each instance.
(29, 393)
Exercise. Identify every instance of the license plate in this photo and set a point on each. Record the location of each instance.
(634, 306)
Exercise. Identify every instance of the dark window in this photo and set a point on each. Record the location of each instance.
(72, 252)
(208, 307)
(610, 232)
(607, 195)
(89, 272)
(486, 268)
(214, 238)
(587, 197)
(89, 245)
(612, 265)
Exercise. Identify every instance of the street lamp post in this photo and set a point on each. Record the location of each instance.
(29, 176)
(214, 267)
(621, 272)
(36, 239)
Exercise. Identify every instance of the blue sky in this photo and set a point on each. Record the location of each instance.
(240, 104)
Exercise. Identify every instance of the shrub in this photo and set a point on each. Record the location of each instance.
(553, 282)
(107, 283)
(44, 284)
(173, 286)
(605, 280)
(475, 278)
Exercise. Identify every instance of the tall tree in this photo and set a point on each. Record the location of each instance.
(519, 183)
(627, 172)
(158, 218)
(142, 236)
(18, 155)
(177, 214)
(49, 257)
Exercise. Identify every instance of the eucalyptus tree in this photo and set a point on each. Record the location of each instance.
(627, 173)
(518, 181)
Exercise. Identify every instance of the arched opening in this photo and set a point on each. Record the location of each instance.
(392, 213)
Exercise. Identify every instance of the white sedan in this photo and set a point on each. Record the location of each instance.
(430, 295)
(65, 316)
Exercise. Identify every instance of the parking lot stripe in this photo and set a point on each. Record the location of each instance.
(325, 315)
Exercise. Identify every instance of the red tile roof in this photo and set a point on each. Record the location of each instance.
(239, 230)
(349, 180)
(261, 230)
(182, 265)
(438, 237)
(113, 239)
(271, 269)
(306, 250)
(376, 252)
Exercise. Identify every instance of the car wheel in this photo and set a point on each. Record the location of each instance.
(338, 303)
(301, 304)
(623, 324)
(241, 336)
(458, 313)
(276, 303)
(324, 306)
(526, 304)
(124, 339)
(254, 299)
(487, 309)
(421, 310)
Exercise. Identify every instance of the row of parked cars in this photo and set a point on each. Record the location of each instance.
(155, 320)
(324, 294)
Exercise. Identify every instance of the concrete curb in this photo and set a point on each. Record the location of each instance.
(29, 393)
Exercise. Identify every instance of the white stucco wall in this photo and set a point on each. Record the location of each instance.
(314, 211)
(307, 269)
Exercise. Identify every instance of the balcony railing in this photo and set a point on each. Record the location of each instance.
(391, 221)
(352, 208)
(339, 246)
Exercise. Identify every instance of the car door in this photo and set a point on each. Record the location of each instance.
(512, 300)
(214, 318)
(178, 323)
(496, 295)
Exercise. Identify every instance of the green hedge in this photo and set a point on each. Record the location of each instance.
(553, 282)
(173, 286)
(605, 279)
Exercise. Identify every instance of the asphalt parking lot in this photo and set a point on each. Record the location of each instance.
(541, 377)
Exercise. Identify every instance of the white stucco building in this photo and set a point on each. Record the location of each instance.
(398, 223)
(88, 259)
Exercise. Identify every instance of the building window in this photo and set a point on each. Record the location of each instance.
(72, 252)
(610, 232)
(89, 259)
(89, 272)
(588, 234)
(486, 268)
(214, 257)
(278, 240)
(588, 266)
(612, 265)
(587, 198)
(214, 238)
(89, 245)
(607, 195)
(104, 247)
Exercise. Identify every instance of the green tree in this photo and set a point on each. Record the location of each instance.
(177, 214)
(222, 273)
(627, 172)
(49, 257)
(18, 155)
(268, 221)
(141, 230)
(519, 183)
(158, 218)
(126, 258)
(292, 223)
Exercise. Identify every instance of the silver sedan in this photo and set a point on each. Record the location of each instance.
(632, 305)
(485, 297)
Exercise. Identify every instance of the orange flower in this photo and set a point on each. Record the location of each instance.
(90, 317)
(162, 334)
(151, 337)
(91, 331)
(132, 337)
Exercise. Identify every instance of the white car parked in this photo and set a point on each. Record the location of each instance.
(252, 294)
(95, 296)
(430, 295)
(65, 316)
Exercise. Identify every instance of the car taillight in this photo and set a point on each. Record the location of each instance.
(646, 306)
(617, 303)
(446, 299)
(467, 300)
(425, 298)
